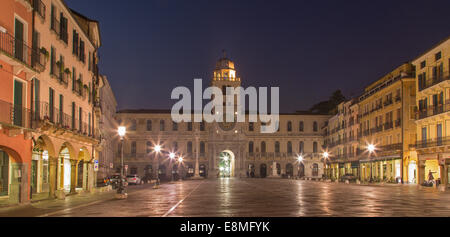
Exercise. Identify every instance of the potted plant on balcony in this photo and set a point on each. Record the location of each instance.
(45, 53)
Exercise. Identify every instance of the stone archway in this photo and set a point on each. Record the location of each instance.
(43, 151)
(226, 164)
(13, 175)
(263, 170)
(289, 170)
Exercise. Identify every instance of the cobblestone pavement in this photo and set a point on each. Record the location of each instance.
(259, 197)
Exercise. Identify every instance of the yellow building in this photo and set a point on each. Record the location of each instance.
(387, 123)
(433, 112)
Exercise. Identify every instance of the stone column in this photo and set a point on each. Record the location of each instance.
(73, 176)
(421, 171)
(443, 177)
(52, 163)
(197, 166)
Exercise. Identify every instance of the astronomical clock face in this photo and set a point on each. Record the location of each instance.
(227, 126)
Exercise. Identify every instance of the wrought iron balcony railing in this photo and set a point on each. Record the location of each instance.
(15, 115)
(17, 49)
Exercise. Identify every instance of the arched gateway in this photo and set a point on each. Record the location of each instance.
(226, 164)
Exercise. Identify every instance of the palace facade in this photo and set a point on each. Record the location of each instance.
(212, 150)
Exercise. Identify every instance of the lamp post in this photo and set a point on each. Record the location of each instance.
(180, 161)
(121, 191)
(171, 157)
(371, 149)
(157, 150)
(300, 160)
(325, 157)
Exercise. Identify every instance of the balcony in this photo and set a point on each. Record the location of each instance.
(388, 125)
(23, 58)
(14, 115)
(388, 102)
(444, 77)
(435, 142)
(39, 8)
(398, 123)
(44, 114)
(433, 110)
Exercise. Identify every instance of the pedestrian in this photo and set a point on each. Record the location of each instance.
(430, 176)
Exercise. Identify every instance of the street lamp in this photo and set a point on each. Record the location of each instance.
(121, 191)
(371, 148)
(180, 161)
(325, 157)
(172, 157)
(157, 149)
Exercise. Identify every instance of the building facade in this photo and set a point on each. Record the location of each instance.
(50, 81)
(19, 63)
(432, 117)
(387, 123)
(108, 130)
(235, 149)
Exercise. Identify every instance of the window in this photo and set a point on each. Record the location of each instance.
(149, 146)
(301, 147)
(423, 64)
(75, 48)
(437, 56)
(314, 147)
(189, 147)
(289, 126)
(263, 147)
(251, 126)
(174, 126)
(300, 126)
(289, 147)
(189, 127)
(250, 147)
(277, 147)
(315, 128)
(133, 125)
(202, 148)
(149, 125)
(133, 148)
(82, 55)
(161, 125)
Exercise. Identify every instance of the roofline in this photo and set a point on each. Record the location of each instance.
(429, 49)
(168, 111)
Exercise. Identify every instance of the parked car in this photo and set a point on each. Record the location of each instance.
(349, 177)
(134, 179)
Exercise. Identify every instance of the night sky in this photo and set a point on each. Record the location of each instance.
(307, 48)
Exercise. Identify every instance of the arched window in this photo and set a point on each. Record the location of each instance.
(315, 147)
(133, 148)
(301, 126)
(315, 128)
(174, 126)
(301, 147)
(250, 147)
(263, 147)
(149, 125)
(289, 147)
(202, 148)
(189, 147)
(133, 125)
(149, 146)
(161, 125)
(289, 126)
(277, 147)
